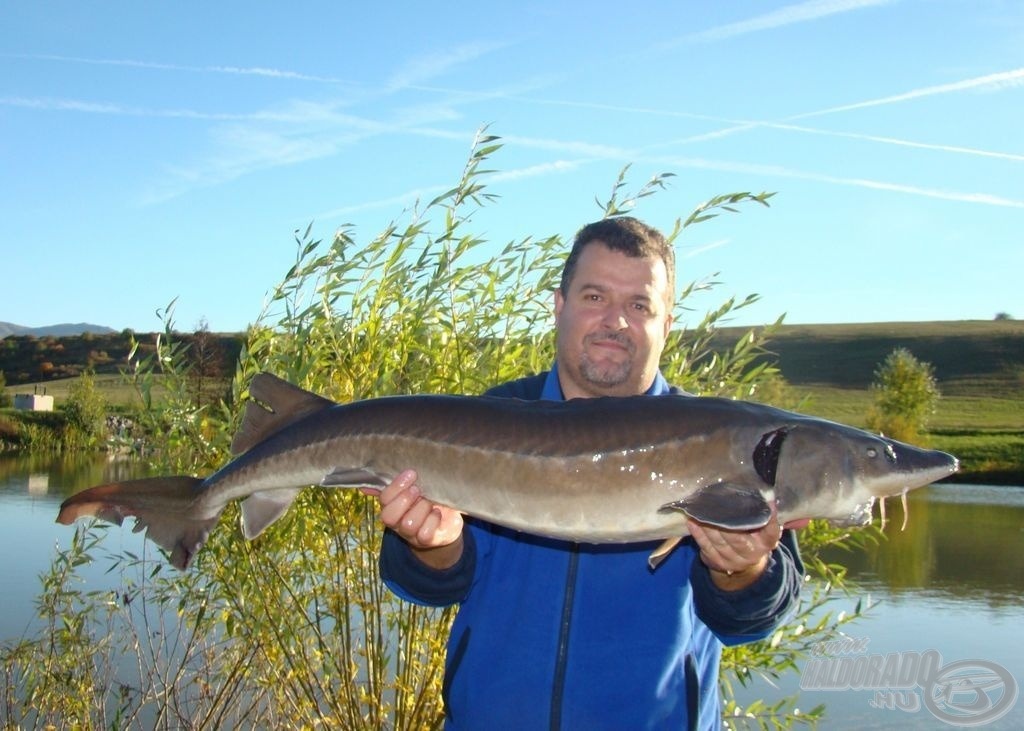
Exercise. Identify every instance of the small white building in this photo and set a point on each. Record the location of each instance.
(33, 402)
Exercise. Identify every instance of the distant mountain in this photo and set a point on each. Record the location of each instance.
(62, 330)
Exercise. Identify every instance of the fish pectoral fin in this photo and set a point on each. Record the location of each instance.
(724, 505)
(263, 508)
(353, 477)
(660, 553)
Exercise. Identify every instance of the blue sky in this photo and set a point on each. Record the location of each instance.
(158, 151)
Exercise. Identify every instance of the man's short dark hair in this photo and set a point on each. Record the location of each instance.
(626, 235)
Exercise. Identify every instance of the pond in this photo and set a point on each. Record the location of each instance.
(949, 594)
(943, 638)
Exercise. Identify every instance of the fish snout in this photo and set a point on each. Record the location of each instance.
(911, 467)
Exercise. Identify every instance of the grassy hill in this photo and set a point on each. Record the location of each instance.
(969, 356)
(34, 359)
(979, 366)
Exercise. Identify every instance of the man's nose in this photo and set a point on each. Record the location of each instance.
(615, 318)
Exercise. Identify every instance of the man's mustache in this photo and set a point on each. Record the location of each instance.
(614, 337)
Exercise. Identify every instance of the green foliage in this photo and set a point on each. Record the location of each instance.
(906, 394)
(5, 398)
(86, 412)
(57, 680)
(295, 629)
(184, 435)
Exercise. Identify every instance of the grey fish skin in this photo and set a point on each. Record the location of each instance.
(607, 470)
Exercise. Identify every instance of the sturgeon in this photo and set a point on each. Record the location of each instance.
(601, 470)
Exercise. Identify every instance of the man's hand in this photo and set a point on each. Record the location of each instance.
(434, 532)
(737, 558)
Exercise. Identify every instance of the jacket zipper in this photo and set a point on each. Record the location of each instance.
(561, 659)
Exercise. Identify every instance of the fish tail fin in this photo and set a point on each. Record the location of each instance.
(160, 506)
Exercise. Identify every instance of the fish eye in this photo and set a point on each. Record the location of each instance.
(872, 452)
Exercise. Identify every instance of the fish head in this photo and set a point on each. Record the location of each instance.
(837, 472)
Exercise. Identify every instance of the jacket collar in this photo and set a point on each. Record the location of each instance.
(552, 390)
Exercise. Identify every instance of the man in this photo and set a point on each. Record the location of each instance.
(551, 634)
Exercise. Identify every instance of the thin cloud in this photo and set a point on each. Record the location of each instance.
(576, 147)
(690, 252)
(897, 141)
(779, 171)
(417, 194)
(533, 171)
(788, 15)
(596, 153)
(155, 65)
(431, 66)
(89, 107)
(994, 82)
(409, 197)
(291, 113)
(606, 153)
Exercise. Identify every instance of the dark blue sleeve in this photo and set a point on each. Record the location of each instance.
(753, 612)
(412, 580)
(408, 577)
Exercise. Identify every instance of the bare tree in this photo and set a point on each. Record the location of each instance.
(206, 364)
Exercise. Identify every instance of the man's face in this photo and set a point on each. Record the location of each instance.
(612, 324)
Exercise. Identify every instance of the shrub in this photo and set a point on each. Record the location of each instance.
(905, 394)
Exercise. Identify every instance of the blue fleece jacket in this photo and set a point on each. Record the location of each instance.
(558, 635)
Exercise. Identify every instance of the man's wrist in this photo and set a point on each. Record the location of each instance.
(736, 580)
(440, 557)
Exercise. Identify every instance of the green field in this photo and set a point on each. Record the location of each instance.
(115, 390)
(954, 413)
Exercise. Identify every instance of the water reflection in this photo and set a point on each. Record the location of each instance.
(31, 490)
(42, 475)
(960, 541)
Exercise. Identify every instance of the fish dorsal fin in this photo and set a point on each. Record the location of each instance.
(275, 404)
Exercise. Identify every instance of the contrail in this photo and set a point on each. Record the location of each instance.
(896, 141)
(779, 171)
(788, 15)
(237, 70)
(1003, 79)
